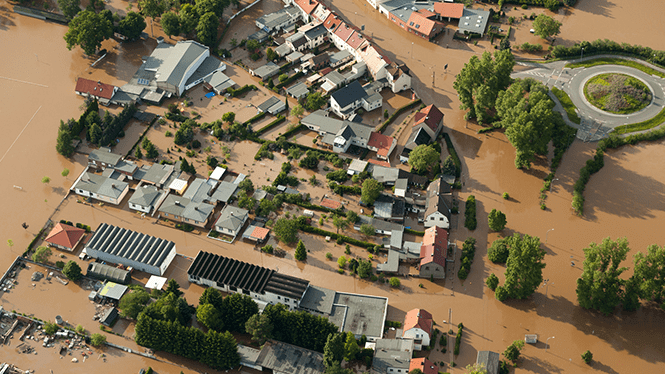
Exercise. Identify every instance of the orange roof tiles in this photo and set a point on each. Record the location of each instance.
(329, 203)
(307, 6)
(344, 31)
(436, 236)
(65, 235)
(432, 254)
(452, 10)
(94, 88)
(418, 318)
(425, 365)
(418, 22)
(426, 13)
(430, 115)
(332, 22)
(378, 162)
(260, 233)
(355, 40)
(382, 142)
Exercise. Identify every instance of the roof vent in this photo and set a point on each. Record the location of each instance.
(177, 202)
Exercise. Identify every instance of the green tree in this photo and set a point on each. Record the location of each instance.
(448, 167)
(246, 185)
(339, 222)
(97, 339)
(496, 220)
(286, 230)
(80, 329)
(364, 269)
(394, 282)
(333, 351)
(504, 44)
(65, 172)
(512, 353)
(352, 217)
(210, 317)
(297, 111)
(370, 191)
(492, 282)
(50, 328)
(206, 30)
(587, 357)
(546, 26)
(64, 142)
(88, 30)
(41, 254)
(498, 252)
(229, 117)
(95, 134)
(212, 161)
(271, 55)
(524, 268)
(283, 77)
(170, 24)
(70, 8)
(416, 371)
(631, 295)
(526, 113)
(212, 296)
(138, 153)
(475, 369)
(301, 252)
(46, 180)
(423, 158)
(72, 270)
(314, 101)
(494, 74)
(187, 167)
(351, 348)
(132, 26)
(173, 287)
(600, 286)
(189, 18)
(260, 327)
(236, 310)
(152, 9)
(133, 303)
(214, 6)
(337, 369)
(150, 149)
(221, 350)
(252, 45)
(367, 229)
(649, 275)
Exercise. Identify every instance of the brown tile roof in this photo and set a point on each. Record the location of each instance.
(452, 10)
(418, 318)
(356, 40)
(307, 6)
(418, 22)
(425, 365)
(382, 142)
(332, 22)
(94, 88)
(437, 236)
(427, 13)
(432, 254)
(65, 235)
(430, 115)
(378, 162)
(329, 203)
(344, 31)
(260, 233)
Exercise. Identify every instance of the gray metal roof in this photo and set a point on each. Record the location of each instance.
(223, 192)
(335, 77)
(297, 39)
(198, 191)
(101, 185)
(294, 56)
(474, 20)
(392, 353)
(362, 314)
(489, 360)
(104, 155)
(158, 174)
(106, 272)
(146, 195)
(339, 56)
(286, 358)
(402, 184)
(127, 167)
(357, 165)
(219, 81)
(316, 31)
(131, 245)
(279, 17)
(248, 355)
(209, 65)
(232, 218)
(396, 238)
(173, 65)
(260, 36)
(349, 94)
(272, 100)
(390, 266)
(298, 90)
(283, 50)
(318, 299)
(379, 224)
(266, 70)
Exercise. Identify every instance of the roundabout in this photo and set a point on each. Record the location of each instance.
(617, 93)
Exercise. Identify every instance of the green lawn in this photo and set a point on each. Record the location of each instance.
(607, 101)
(567, 104)
(646, 125)
(615, 61)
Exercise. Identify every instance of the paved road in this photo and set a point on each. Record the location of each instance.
(595, 123)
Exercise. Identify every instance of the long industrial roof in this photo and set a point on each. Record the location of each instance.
(130, 244)
(246, 276)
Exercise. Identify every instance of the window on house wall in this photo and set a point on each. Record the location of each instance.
(233, 288)
(245, 292)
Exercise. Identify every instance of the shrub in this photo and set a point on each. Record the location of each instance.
(395, 282)
(470, 213)
(506, 196)
(587, 357)
(492, 282)
(97, 339)
(498, 252)
(329, 256)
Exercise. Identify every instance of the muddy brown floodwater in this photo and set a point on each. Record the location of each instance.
(37, 77)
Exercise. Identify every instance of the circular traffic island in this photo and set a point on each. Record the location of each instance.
(617, 93)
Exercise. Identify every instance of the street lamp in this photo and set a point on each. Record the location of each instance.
(547, 285)
(546, 344)
(552, 182)
(547, 233)
(411, 51)
(582, 53)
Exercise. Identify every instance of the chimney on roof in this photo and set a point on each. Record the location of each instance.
(196, 208)
(99, 82)
(177, 202)
(112, 185)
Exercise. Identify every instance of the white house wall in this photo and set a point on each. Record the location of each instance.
(140, 208)
(437, 219)
(267, 298)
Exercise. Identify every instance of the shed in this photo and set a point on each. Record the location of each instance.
(65, 236)
(106, 272)
(109, 316)
(112, 291)
(155, 282)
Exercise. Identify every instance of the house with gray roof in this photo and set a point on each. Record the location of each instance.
(283, 50)
(419, 136)
(345, 101)
(281, 19)
(231, 220)
(146, 198)
(266, 71)
(392, 356)
(198, 191)
(181, 209)
(297, 42)
(338, 134)
(101, 188)
(283, 358)
(389, 208)
(473, 21)
(339, 58)
(489, 361)
(103, 158)
(273, 105)
(218, 82)
(158, 174)
(224, 192)
(298, 91)
(143, 252)
(294, 57)
(380, 226)
(438, 204)
(316, 35)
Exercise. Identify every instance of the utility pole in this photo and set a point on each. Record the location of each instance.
(450, 327)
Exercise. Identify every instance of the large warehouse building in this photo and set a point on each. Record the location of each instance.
(130, 248)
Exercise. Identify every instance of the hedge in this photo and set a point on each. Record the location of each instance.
(254, 119)
(289, 80)
(458, 340)
(294, 130)
(645, 125)
(241, 90)
(141, 137)
(468, 252)
(175, 117)
(33, 241)
(610, 47)
(335, 236)
(414, 232)
(272, 124)
(397, 113)
(470, 221)
(453, 154)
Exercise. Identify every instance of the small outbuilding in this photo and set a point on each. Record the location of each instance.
(108, 273)
(65, 237)
(112, 291)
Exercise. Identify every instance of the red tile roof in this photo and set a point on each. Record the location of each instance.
(344, 31)
(430, 115)
(452, 10)
(379, 162)
(356, 40)
(94, 88)
(425, 365)
(418, 22)
(436, 236)
(65, 235)
(426, 13)
(332, 204)
(383, 142)
(325, 71)
(307, 6)
(260, 233)
(432, 254)
(382, 54)
(332, 22)
(418, 318)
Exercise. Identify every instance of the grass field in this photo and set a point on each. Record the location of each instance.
(567, 104)
(615, 61)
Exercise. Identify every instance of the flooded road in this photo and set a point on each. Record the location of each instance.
(624, 199)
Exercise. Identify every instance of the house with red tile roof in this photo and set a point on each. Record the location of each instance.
(307, 7)
(342, 34)
(418, 326)
(65, 237)
(437, 236)
(96, 90)
(256, 234)
(378, 162)
(422, 26)
(425, 365)
(355, 40)
(383, 145)
(431, 118)
(330, 203)
(332, 22)
(449, 10)
(398, 77)
(432, 262)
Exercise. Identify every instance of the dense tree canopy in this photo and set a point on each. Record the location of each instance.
(72, 270)
(315, 101)
(546, 26)
(170, 24)
(370, 191)
(189, 18)
(299, 328)
(236, 310)
(64, 141)
(132, 26)
(423, 158)
(70, 8)
(286, 230)
(600, 286)
(88, 30)
(650, 274)
(133, 303)
(524, 268)
(214, 6)
(333, 351)
(496, 220)
(260, 327)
